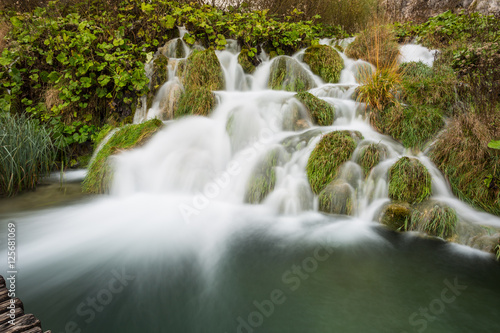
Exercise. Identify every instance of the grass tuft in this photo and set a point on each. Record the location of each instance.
(322, 113)
(369, 157)
(409, 181)
(436, 220)
(27, 153)
(199, 102)
(263, 178)
(337, 198)
(99, 176)
(287, 74)
(203, 70)
(334, 149)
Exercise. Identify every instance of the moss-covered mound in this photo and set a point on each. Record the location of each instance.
(377, 45)
(396, 216)
(337, 198)
(173, 49)
(411, 125)
(409, 181)
(247, 63)
(434, 218)
(288, 74)
(99, 174)
(461, 152)
(321, 112)
(203, 70)
(263, 178)
(370, 156)
(198, 101)
(325, 62)
(334, 149)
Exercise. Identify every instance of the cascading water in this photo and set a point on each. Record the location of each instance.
(176, 248)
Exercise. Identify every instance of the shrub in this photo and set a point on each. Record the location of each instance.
(334, 149)
(322, 113)
(325, 62)
(27, 153)
(99, 176)
(377, 45)
(409, 181)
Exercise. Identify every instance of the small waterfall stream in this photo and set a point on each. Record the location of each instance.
(198, 258)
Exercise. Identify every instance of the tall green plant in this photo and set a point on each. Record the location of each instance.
(27, 153)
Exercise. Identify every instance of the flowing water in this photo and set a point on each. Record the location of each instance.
(175, 248)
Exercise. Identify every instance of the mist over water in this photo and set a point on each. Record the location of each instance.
(175, 248)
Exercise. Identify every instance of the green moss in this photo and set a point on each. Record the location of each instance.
(396, 216)
(435, 219)
(377, 45)
(203, 70)
(199, 102)
(263, 178)
(325, 62)
(321, 112)
(102, 134)
(99, 174)
(160, 73)
(337, 198)
(369, 157)
(409, 181)
(334, 149)
(287, 74)
(412, 125)
(246, 62)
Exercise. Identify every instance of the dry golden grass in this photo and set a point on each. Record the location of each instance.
(4, 30)
(52, 98)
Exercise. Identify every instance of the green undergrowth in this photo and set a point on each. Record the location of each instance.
(27, 153)
(412, 125)
(99, 176)
(330, 153)
(325, 62)
(203, 70)
(321, 112)
(247, 63)
(409, 181)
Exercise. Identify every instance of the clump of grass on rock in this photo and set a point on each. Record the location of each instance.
(321, 112)
(337, 198)
(409, 181)
(370, 156)
(396, 215)
(198, 101)
(288, 74)
(99, 174)
(334, 149)
(435, 219)
(263, 178)
(325, 62)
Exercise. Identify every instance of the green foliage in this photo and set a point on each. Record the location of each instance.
(437, 220)
(198, 101)
(494, 144)
(412, 125)
(334, 149)
(246, 61)
(322, 113)
(409, 181)
(369, 157)
(99, 174)
(27, 153)
(325, 62)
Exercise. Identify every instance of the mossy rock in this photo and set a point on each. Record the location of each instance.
(293, 117)
(160, 73)
(377, 45)
(170, 101)
(413, 126)
(337, 198)
(396, 215)
(247, 63)
(325, 62)
(300, 141)
(362, 70)
(322, 113)
(263, 178)
(370, 156)
(200, 101)
(487, 243)
(203, 70)
(334, 149)
(409, 181)
(288, 74)
(173, 49)
(99, 176)
(435, 219)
